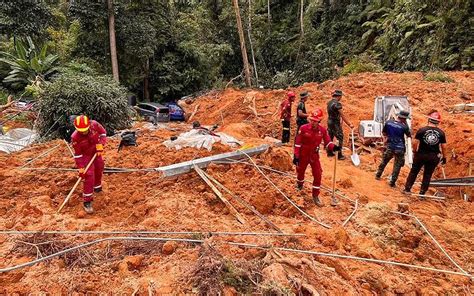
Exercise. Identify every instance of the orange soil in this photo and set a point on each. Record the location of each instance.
(29, 199)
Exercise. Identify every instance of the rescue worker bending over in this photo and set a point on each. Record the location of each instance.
(306, 152)
(285, 116)
(394, 132)
(427, 152)
(89, 139)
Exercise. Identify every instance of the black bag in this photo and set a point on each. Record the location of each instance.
(127, 139)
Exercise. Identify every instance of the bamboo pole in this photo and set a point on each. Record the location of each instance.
(219, 195)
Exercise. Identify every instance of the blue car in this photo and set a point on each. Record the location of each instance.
(176, 112)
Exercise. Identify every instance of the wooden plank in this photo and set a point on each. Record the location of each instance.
(231, 208)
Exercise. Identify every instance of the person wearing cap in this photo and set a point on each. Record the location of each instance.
(285, 116)
(88, 139)
(394, 132)
(429, 150)
(301, 115)
(306, 151)
(335, 115)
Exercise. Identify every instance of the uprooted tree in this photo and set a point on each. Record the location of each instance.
(101, 98)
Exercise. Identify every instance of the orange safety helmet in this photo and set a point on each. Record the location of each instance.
(434, 117)
(316, 115)
(82, 123)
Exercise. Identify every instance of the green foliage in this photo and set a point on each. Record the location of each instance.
(3, 96)
(437, 77)
(99, 97)
(236, 277)
(360, 64)
(28, 63)
(64, 40)
(23, 18)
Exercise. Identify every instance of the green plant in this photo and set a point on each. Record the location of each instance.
(361, 64)
(28, 64)
(437, 77)
(99, 97)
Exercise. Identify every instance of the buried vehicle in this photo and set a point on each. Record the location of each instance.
(176, 112)
(153, 112)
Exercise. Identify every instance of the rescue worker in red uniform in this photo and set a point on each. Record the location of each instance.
(285, 116)
(306, 152)
(89, 139)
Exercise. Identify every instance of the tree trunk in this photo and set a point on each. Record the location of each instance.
(146, 81)
(250, 42)
(301, 18)
(243, 48)
(113, 45)
(269, 15)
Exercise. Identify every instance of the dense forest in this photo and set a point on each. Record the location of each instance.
(168, 49)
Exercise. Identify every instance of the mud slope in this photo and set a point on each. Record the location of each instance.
(145, 201)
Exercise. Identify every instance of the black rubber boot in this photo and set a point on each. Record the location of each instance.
(88, 207)
(317, 201)
(97, 190)
(299, 186)
(330, 154)
(340, 156)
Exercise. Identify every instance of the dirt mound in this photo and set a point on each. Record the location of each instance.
(143, 200)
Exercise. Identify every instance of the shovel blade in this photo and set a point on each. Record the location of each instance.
(355, 159)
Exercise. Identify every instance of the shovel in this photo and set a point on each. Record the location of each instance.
(354, 157)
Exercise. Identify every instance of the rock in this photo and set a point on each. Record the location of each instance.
(275, 273)
(201, 188)
(338, 267)
(346, 183)
(359, 84)
(341, 237)
(169, 247)
(365, 286)
(264, 203)
(229, 291)
(465, 96)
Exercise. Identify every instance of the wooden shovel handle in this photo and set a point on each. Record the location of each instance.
(77, 183)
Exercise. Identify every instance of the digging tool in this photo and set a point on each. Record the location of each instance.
(77, 184)
(354, 157)
(333, 197)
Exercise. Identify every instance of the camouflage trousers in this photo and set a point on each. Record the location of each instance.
(398, 164)
(335, 131)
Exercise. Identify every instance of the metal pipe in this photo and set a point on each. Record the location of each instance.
(352, 214)
(434, 240)
(26, 264)
(350, 257)
(98, 232)
(287, 175)
(284, 195)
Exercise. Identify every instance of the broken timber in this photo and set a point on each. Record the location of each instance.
(219, 195)
(187, 166)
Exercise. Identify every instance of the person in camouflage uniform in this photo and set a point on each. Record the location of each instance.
(301, 115)
(335, 115)
(394, 132)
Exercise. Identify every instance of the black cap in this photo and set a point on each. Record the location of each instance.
(337, 93)
(304, 94)
(404, 114)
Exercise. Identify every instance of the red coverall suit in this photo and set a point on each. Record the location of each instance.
(84, 149)
(285, 116)
(307, 151)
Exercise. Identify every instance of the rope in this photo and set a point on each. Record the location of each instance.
(283, 194)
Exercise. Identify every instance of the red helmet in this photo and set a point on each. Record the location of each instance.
(434, 117)
(316, 115)
(82, 123)
(290, 95)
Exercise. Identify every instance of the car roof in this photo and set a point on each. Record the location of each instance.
(153, 104)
